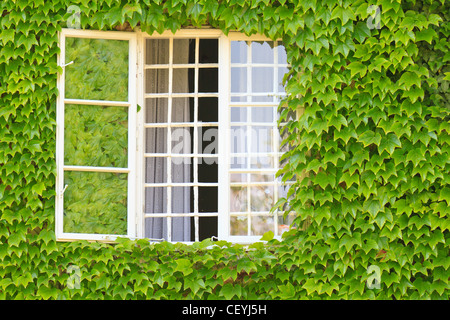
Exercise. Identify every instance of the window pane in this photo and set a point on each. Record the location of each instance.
(180, 83)
(261, 198)
(238, 199)
(262, 114)
(156, 170)
(157, 51)
(156, 140)
(95, 203)
(181, 50)
(156, 110)
(262, 79)
(182, 109)
(208, 109)
(99, 71)
(238, 139)
(96, 136)
(181, 141)
(207, 199)
(209, 52)
(207, 80)
(208, 169)
(239, 225)
(157, 80)
(155, 200)
(261, 225)
(238, 80)
(261, 139)
(239, 52)
(238, 114)
(262, 52)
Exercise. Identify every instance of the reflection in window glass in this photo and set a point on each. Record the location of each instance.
(95, 202)
(262, 52)
(99, 71)
(96, 136)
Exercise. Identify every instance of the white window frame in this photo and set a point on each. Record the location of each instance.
(132, 111)
(136, 169)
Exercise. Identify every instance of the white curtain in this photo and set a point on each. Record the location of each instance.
(156, 200)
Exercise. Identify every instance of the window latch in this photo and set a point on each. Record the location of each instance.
(65, 65)
(63, 190)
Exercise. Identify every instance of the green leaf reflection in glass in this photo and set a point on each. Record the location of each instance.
(99, 71)
(95, 202)
(96, 136)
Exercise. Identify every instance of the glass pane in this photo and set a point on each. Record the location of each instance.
(261, 139)
(239, 52)
(208, 80)
(238, 114)
(96, 136)
(156, 170)
(155, 200)
(238, 139)
(157, 81)
(262, 114)
(262, 177)
(208, 169)
(262, 79)
(262, 52)
(207, 199)
(180, 80)
(238, 163)
(238, 199)
(181, 50)
(181, 141)
(209, 52)
(182, 109)
(181, 170)
(261, 198)
(156, 110)
(263, 162)
(95, 203)
(181, 199)
(261, 225)
(157, 51)
(238, 225)
(156, 140)
(238, 80)
(99, 71)
(238, 177)
(156, 228)
(208, 140)
(208, 109)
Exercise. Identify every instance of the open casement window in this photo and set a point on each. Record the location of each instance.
(198, 160)
(256, 69)
(96, 139)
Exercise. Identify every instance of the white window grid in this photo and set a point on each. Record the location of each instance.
(195, 125)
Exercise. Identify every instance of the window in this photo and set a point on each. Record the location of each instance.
(168, 137)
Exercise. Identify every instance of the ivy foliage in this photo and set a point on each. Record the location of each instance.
(370, 154)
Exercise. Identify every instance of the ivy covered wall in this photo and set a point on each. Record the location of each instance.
(371, 154)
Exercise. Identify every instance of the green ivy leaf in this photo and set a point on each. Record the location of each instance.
(370, 137)
(357, 67)
(389, 142)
